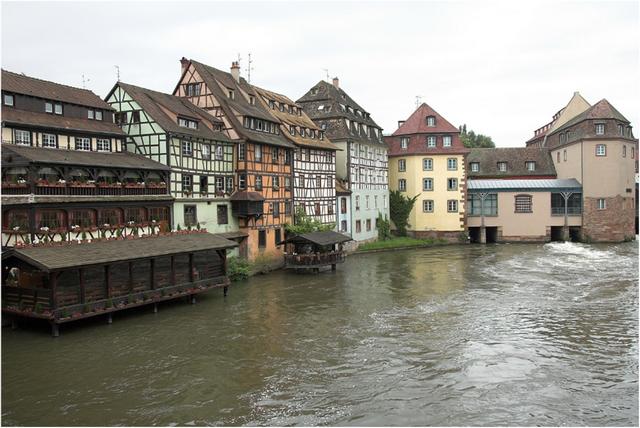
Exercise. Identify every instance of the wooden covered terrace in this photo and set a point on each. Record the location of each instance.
(315, 250)
(62, 282)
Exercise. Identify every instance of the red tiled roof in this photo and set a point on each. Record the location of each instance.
(417, 123)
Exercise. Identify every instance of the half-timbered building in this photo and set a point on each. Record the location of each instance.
(361, 162)
(314, 163)
(173, 131)
(264, 157)
(65, 175)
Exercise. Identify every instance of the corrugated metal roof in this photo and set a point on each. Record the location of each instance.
(515, 185)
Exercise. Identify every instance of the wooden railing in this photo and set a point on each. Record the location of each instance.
(82, 189)
(314, 260)
(27, 299)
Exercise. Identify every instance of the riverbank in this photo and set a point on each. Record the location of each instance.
(399, 243)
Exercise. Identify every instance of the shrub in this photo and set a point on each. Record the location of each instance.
(237, 269)
(384, 228)
(400, 208)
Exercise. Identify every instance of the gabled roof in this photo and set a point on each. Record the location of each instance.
(65, 256)
(515, 157)
(287, 119)
(17, 118)
(576, 105)
(216, 80)
(154, 103)
(13, 154)
(417, 123)
(21, 84)
(600, 110)
(319, 238)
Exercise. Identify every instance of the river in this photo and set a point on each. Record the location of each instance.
(461, 335)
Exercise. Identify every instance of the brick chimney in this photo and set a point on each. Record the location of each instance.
(235, 70)
(184, 63)
(401, 122)
(336, 82)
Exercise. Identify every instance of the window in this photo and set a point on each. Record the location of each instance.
(187, 148)
(252, 100)
(242, 181)
(474, 204)
(475, 166)
(431, 121)
(368, 225)
(22, 137)
(318, 181)
(427, 184)
(502, 166)
(343, 205)
(103, 145)
(206, 151)
(565, 155)
(219, 153)
(302, 182)
(402, 185)
(274, 155)
(431, 141)
(427, 164)
(402, 165)
(82, 218)
(262, 238)
(602, 204)
(287, 183)
(633, 152)
(192, 89)
(452, 164)
(523, 204)
(446, 141)
(452, 184)
(287, 207)
(241, 151)
(357, 203)
(204, 184)
(49, 140)
(58, 108)
(229, 184)
(90, 114)
(109, 216)
(530, 165)
(83, 143)
(287, 157)
(366, 202)
(452, 206)
(258, 153)
(8, 99)
(620, 129)
(599, 128)
(601, 150)
(358, 226)
(278, 236)
(343, 226)
(135, 215)
(276, 183)
(558, 157)
(404, 143)
(624, 151)
(48, 107)
(427, 206)
(258, 185)
(190, 215)
(231, 94)
(562, 138)
(135, 117)
(187, 183)
(375, 201)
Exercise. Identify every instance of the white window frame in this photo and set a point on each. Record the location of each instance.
(186, 148)
(48, 107)
(90, 114)
(404, 143)
(601, 149)
(8, 100)
(402, 185)
(427, 205)
(431, 121)
(454, 187)
(599, 128)
(452, 164)
(431, 141)
(82, 144)
(22, 137)
(57, 108)
(602, 204)
(452, 206)
(427, 164)
(429, 187)
(103, 145)
(502, 166)
(48, 139)
(206, 151)
(446, 141)
(219, 153)
(258, 153)
(531, 165)
(402, 165)
(474, 166)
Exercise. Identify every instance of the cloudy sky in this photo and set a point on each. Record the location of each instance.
(503, 68)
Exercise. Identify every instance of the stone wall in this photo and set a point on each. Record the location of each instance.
(613, 224)
(453, 237)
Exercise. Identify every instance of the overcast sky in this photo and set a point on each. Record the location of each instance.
(503, 68)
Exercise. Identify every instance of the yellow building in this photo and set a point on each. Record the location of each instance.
(427, 158)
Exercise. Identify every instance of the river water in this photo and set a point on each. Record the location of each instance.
(461, 335)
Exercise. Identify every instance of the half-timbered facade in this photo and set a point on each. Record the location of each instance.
(361, 162)
(264, 157)
(64, 174)
(314, 163)
(176, 133)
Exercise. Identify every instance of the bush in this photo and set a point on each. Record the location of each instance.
(237, 269)
(384, 228)
(400, 209)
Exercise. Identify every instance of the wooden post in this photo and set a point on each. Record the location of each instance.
(83, 291)
(153, 274)
(130, 277)
(173, 270)
(225, 290)
(107, 281)
(191, 268)
(53, 280)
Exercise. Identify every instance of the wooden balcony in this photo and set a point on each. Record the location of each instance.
(82, 189)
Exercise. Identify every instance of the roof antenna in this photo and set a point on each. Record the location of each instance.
(85, 81)
(249, 67)
(326, 70)
(418, 100)
(117, 71)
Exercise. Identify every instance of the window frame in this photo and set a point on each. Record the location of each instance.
(46, 144)
(100, 141)
(449, 205)
(455, 164)
(402, 185)
(186, 148)
(6, 97)
(603, 152)
(425, 208)
(430, 161)
(82, 140)
(454, 187)
(523, 204)
(426, 188)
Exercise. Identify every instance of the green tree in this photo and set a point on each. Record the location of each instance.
(384, 228)
(472, 140)
(400, 207)
(304, 223)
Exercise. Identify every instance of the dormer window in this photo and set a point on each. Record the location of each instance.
(90, 114)
(475, 166)
(446, 141)
(272, 104)
(252, 100)
(8, 99)
(502, 166)
(620, 129)
(292, 130)
(98, 115)
(530, 165)
(281, 106)
(290, 109)
(231, 94)
(404, 143)
(48, 107)
(314, 91)
(186, 123)
(431, 121)
(599, 128)
(431, 141)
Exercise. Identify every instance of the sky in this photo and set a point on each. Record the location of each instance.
(502, 68)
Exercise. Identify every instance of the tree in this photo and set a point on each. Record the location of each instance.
(384, 227)
(472, 140)
(400, 207)
(304, 223)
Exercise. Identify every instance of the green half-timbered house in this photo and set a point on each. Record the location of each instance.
(173, 131)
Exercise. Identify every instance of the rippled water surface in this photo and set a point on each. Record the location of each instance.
(471, 335)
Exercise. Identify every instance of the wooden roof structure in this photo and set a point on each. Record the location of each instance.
(65, 256)
(318, 238)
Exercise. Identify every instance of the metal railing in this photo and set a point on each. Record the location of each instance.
(570, 210)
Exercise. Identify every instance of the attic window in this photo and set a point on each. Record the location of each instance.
(231, 94)
(192, 89)
(502, 166)
(431, 121)
(531, 165)
(186, 123)
(281, 106)
(8, 100)
(292, 130)
(404, 142)
(299, 111)
(252, 100)
(475, 166)
(272, 104)
(599, 128)
(314, 91)
(290, 109)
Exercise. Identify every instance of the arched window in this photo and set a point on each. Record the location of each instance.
(48, 175)
(82, 218)
(79, 175)
(132, 177)
(51, 219)
(109, 217)
(106, 177)
(14, 175)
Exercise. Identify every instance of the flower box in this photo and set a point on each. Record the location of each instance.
(45, 183)
(14, 185)
(134, 185)
(109, 185)
(81, 184)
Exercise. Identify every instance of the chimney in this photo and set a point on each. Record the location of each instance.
(401, 122)
(235, 70)
(184, 63)
(336, 82)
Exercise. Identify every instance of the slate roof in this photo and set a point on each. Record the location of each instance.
(515, 157)
(319, 238)
(13, 154)
(17, 118)
(21, 84)
(218, 82)
(101, 252)
(325, 107)
(570, 184)
(287, 119)
(154, 103)
(600, 110)
(417, 123)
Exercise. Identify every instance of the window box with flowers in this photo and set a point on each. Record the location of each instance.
(134, 185)
(88, 183)
(109, 184)
(43, 182)
(20, 184)
(157, 185)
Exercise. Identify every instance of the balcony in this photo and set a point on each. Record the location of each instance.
(559, 211)
(62, 188)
